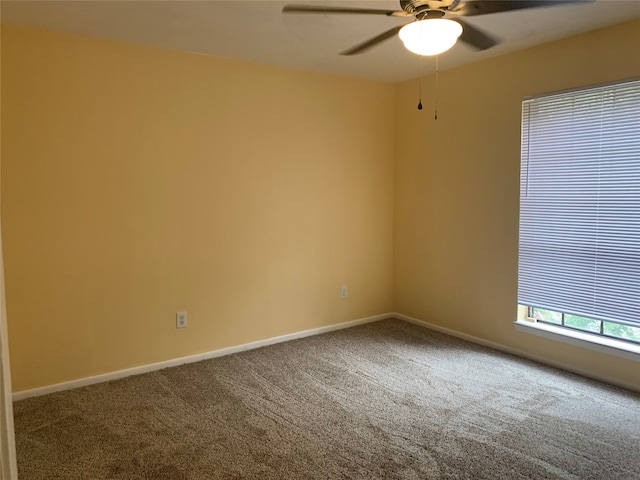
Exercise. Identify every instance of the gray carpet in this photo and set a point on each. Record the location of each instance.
(386, 400)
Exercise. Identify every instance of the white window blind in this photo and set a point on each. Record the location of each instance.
(580, 203)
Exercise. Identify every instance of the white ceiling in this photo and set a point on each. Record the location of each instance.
(256, 30)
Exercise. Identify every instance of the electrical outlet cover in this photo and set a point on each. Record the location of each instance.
(181, 320)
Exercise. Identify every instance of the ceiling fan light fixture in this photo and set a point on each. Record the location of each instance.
(430, 36)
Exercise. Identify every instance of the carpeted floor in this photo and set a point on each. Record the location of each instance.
(387, 400)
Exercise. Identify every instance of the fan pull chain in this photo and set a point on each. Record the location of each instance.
(436, 105)
(420, 84)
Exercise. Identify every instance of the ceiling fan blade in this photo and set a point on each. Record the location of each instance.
(343, 10)
(372, 42)
(483, 7)
(475, 37)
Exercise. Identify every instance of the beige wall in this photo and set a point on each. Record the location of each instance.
(457, 187)
(138, 182)
(8, 464)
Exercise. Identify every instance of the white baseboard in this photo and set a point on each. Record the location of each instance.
(106, 377)
(520, 353)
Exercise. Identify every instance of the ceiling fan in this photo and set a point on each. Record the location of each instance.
(431, 33)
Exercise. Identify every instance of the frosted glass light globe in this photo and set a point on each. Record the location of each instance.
(430, 36)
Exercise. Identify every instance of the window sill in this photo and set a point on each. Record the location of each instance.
(610, 346)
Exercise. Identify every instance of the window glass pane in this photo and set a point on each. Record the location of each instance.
(582, 323)
(547, 316)
(622, 331)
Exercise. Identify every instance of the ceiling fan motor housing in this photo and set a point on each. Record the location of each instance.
(417, 7)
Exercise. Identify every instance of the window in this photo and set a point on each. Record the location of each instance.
(579, 255)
